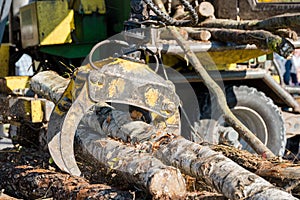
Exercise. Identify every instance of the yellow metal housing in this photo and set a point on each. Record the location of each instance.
(4, 60)
(12, 83)
(46, 23)
(37, 114)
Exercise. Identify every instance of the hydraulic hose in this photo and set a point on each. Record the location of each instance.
(169, 20)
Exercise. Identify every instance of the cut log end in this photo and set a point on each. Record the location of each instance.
(167, 184)
(205, 9)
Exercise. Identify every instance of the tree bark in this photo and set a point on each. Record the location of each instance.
(192, 159)
(271, 24)
(49, 85)
(214, 88)
(284, 174)
(29, 183)
(262, 39)
(141, 169)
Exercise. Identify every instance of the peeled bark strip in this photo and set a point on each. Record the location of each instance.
(29, 183)
(287, 33)
(142, 169)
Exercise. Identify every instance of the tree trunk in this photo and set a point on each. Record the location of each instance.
(49, 85)
(262, 39)
(141, 169)
(271, 24)
(283, 174)
(192, 159)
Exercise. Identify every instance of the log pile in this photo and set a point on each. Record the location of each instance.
(269, 34)
(140, 152)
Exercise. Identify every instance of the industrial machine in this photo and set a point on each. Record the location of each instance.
(125, 69)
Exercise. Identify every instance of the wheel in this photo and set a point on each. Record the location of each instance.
(258, 112)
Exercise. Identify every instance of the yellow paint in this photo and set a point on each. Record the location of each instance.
(278, 1)
(174, 119)
(16, 82)
(46, 23)
(151, 97)
(276, 78)
(90, 6)
(61, 33)
(218, 60)
(4, 60)
(115, 87)
(129, 66)
(37, 113)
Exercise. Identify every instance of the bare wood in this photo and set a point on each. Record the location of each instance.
(202, 35)
(205, 9)
(165, 35)
(160, 5)
(287, 33)
(213, 87)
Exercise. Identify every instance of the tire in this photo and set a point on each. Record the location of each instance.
(260, 115)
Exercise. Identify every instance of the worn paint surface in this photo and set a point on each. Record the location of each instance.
(115, 87)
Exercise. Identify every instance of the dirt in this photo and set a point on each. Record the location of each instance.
(94, 173)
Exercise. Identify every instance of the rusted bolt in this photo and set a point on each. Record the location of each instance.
(168, 106)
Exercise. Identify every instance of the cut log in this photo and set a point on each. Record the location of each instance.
(281, 173)
(55, 87)
(192, 159)
(262, 39)
(203, 35)
(141, 169)
(271, 24)
(206, 9)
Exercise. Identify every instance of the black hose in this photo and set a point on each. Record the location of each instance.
(171, 21)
